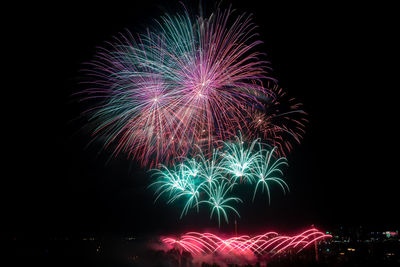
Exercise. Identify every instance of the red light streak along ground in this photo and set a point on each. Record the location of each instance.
(268, 243)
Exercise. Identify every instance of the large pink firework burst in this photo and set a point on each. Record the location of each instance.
(187, 82)
(190, 84)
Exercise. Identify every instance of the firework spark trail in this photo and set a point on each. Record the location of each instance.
(269, 243)
(218, 200)
(179, 182)
(211, 182)
(281, 122)
(239, 158)
(210, 169)
(265, 169)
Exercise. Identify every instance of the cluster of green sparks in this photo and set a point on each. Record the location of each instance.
(211, 180)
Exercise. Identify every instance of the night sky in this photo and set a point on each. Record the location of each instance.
(331, 57)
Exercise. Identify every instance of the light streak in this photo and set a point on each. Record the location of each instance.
(270, 243)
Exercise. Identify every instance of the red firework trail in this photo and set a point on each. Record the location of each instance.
(269, 243)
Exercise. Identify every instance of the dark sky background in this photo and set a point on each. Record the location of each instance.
(332, 57)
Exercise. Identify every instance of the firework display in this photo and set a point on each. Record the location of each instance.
(192, 99)
(189, 81)
(270, 243)
(238, 163)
